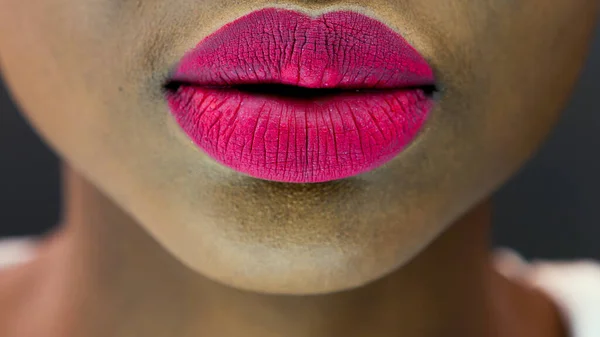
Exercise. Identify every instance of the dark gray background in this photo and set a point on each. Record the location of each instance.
(550, 210)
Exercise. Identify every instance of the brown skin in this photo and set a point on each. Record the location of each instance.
(151, 220)
(103, 275)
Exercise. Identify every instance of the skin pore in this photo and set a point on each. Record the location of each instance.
(159, 240)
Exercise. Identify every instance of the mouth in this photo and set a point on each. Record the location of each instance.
(280, 96)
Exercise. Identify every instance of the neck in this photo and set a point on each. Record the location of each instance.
(116, 280)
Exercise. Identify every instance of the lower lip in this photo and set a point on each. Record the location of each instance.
(298, 141)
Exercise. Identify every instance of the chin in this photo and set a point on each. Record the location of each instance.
(294, 239)
(297, 270)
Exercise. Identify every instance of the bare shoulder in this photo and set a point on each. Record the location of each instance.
(16, 257)
(14, 252)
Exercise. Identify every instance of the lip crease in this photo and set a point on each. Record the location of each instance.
(281, 96)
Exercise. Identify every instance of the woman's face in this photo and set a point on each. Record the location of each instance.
(90, 76)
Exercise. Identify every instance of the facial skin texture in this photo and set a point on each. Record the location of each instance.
(89, 75)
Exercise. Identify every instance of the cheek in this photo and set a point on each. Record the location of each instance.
(520, 68)
(50, 76)
(534, 70)
(37, 64)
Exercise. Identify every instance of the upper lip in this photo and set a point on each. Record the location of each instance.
(327, 52)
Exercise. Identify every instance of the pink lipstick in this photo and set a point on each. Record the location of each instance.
(282, 96)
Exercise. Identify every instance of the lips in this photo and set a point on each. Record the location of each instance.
(281, 96)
